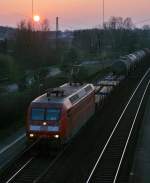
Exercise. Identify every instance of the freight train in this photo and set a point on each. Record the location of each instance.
(126, 64)
(59, 114)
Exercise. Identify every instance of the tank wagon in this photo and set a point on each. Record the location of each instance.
(128, 63)
(61, 112)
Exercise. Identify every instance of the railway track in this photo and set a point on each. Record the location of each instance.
(76, 165)
(108, 167)
(33, 168)
(20, 161)
(30, 165)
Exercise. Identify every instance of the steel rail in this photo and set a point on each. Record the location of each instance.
(25, 164)
(130, 133)
(112, 133)
(13, 143)
(37, 179)
(20, 170)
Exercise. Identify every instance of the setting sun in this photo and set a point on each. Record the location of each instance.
(36, 18)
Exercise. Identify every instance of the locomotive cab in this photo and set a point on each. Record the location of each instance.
(41, 120)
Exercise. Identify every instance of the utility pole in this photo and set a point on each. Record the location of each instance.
(57, 24)
(57, 29)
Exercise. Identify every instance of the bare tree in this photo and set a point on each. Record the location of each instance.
(119, 23)
(45, 25)
(128, 24)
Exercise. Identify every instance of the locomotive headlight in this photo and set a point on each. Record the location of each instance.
(31, 135)
(56, 136)
(44, 123)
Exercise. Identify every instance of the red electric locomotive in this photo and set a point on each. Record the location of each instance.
(61, 112)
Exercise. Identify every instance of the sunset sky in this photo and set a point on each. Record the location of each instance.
(74, 14)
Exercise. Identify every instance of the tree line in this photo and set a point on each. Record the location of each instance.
(118, 36)
(36, 47)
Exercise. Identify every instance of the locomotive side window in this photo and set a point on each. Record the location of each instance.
(38, 114)
(52, 114)
(74, 98)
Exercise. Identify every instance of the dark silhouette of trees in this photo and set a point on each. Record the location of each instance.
(119, 36)
(7, 68)
(32, 46)
(3, 46)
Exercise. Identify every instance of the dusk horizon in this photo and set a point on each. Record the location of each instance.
(73, 14)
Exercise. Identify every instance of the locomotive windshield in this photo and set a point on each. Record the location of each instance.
(52, 114)
(38, 114)
(41, 114)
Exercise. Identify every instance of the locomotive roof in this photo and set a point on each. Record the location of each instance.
(71, 94)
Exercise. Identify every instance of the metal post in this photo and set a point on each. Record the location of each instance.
(57, 24)
(57, 30)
